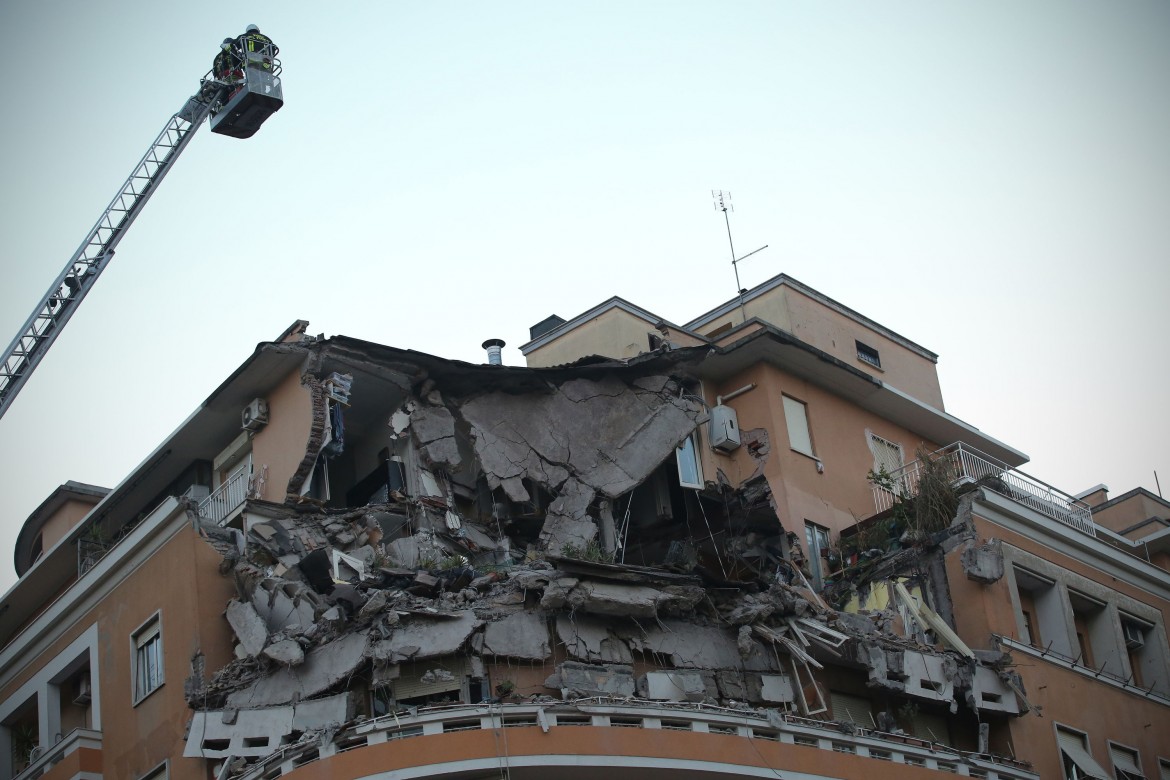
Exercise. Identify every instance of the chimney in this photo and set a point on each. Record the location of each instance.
(493, 351)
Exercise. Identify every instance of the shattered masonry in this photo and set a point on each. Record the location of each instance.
(524, 538)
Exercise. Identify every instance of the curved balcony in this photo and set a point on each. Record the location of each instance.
(626, 739)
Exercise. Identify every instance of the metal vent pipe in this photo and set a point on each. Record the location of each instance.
(493, 347)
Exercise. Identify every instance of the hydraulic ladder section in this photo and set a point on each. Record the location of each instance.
(96, 251)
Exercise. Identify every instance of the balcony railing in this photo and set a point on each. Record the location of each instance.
(967, 465)
(772, 726)
(218, 506)
(44, 759)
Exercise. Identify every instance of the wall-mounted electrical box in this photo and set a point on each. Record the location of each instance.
(724, 429)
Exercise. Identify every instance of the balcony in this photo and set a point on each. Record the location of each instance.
(509, 750)
(78, 754)
(227, 498)
(967, 465)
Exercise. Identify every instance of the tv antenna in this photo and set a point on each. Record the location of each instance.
(722, 201)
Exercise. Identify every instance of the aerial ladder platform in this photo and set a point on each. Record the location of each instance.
(238, 103)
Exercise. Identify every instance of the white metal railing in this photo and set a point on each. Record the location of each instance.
(226, 498)
(602, 712)
(967, 465)
(46, 759)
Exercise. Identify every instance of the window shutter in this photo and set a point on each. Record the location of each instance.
(1072, 744)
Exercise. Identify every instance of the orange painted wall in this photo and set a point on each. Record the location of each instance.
(587, 740)
(835, 498)
(1059, 694)
(192, 607)
(280, 445)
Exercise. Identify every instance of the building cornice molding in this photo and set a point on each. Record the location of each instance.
(615, 302)
(1070, 542)
(783, 280)
(92, 588)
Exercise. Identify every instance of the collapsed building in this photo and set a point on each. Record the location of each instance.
(423, 567)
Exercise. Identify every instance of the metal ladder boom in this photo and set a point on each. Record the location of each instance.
(96, 251)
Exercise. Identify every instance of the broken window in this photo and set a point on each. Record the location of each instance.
(690, 470)
(817, 539)
(1075, 757)
(799, 435)
(849, 708)
(148, 658)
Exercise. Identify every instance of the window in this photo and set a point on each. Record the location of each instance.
(690, 472)
(158, 773)
(148, 659)
(867, 354)
(1041, 621)
(1126, 763)
(1146, 660)
(887, 456)
(1075, 756)
(799, 437)
(817, 539)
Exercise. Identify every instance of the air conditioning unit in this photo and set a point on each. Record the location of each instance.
(83, 693)
(1135, 637)
(724, 429)
(255, 415)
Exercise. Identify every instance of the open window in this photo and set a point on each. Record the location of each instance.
(148, 658)
(1078, 763)
(690, 469)
(799, 434)
(1127, 764)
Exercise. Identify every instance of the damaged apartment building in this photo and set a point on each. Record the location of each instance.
(751, 545)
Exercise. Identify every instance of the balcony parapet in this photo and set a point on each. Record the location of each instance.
(600, 712)
(71, 743)
(968, 465)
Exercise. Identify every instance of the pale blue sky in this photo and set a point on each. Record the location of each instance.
(990, 179)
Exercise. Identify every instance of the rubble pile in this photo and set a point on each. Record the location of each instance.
(487, 564)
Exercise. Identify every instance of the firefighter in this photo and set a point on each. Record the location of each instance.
(226, 67)
(255, 42)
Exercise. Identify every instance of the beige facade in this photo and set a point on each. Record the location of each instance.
(716, 552)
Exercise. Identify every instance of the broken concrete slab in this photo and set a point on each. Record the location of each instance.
(693, 646)
(983, 562)
(672, 686)
(249, 627)
(520, 635)
(578, 680)
(286, 652)
(323, 668)
(259, 732)
(591, 639)
(425, 638)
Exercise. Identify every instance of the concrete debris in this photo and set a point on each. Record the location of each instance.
(983, 562)
(323, 668)
(519, 635)
(426, 638)
(286, 652)
(250, 628)
(258, 732)
(494, 530)
(577, 680)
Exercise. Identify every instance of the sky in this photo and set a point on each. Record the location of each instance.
(989, 179)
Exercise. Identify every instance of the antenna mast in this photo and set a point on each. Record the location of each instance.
(722, 202)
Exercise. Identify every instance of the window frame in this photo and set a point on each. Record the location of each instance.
(1120, 772)
(868, 355)
(1067, 758)
(146, 641)
(683, 450)
(797, 404)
